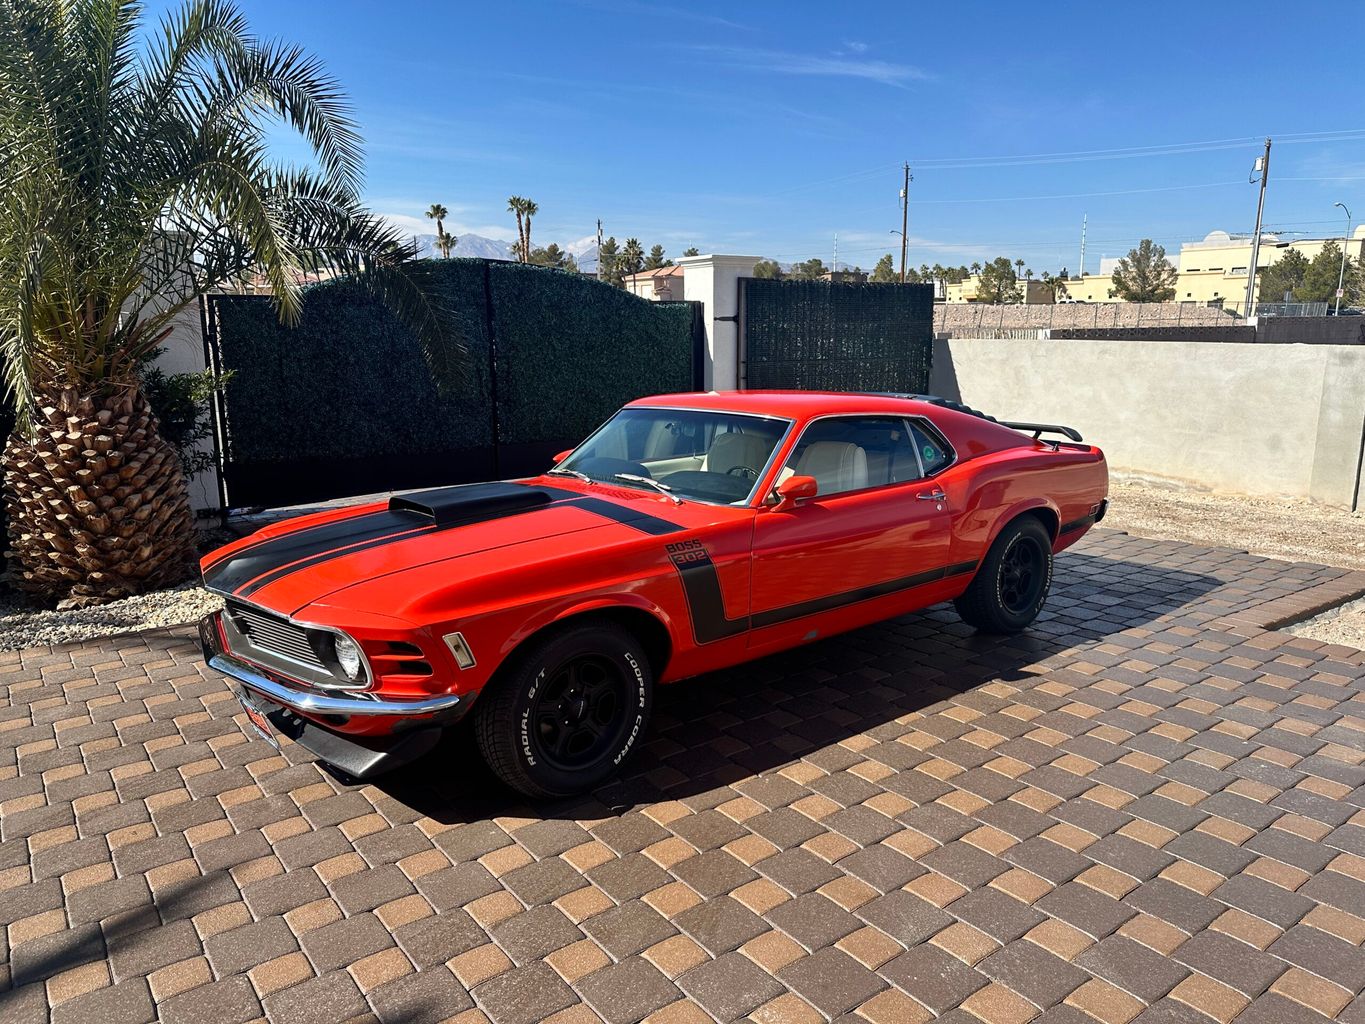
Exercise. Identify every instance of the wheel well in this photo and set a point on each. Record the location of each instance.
(1051, 523)
(651, 633)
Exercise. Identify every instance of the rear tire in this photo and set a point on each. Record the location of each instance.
(1012, 582)
(568, 711)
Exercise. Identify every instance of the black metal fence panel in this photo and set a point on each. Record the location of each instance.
(837, 337)
(346, 404)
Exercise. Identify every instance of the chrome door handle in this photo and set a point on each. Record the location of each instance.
(935, 496)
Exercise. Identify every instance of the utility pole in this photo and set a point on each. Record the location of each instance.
(905, 217)
(1084, 218)
(1262, 165)
(836, 252)
(599, 248)
(1345, 244)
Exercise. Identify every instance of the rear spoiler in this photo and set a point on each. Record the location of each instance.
(1038, 429)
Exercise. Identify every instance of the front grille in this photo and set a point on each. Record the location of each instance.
(271, 635)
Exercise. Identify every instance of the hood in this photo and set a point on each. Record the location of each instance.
(301, 561)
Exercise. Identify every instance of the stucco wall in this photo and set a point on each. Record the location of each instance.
(1254, 419)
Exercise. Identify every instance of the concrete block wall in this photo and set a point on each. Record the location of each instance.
(1284, 420)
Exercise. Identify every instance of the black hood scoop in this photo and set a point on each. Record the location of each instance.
(446, 506)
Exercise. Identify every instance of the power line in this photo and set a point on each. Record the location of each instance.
(1085, 155)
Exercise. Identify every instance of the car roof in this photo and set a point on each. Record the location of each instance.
(792, 404)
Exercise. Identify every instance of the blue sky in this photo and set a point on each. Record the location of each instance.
(765, 128)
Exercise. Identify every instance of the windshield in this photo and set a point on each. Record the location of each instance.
(707, 456)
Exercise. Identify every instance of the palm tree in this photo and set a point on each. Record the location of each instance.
(1019, 268)
(135, 176)
(529, 209)
(438, 213)
(632, 257)
(517, 205)
(976, 269)
(445, 241)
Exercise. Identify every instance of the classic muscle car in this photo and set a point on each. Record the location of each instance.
(689, 533)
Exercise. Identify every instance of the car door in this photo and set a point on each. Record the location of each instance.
(876, 533)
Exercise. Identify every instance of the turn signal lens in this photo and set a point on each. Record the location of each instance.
(464, 657)
(348, 656)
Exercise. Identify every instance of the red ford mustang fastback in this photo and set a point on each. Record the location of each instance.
(689, 533)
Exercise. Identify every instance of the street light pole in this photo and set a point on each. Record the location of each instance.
(1345, 241)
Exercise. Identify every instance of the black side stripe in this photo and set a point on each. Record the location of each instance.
(705, 605)
(1076, 524)
(701, 588)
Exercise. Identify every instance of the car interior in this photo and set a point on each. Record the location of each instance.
(718, 456)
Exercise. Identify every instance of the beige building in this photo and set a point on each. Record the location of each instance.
(1034, 292)
(662, 285)
(1213, 271)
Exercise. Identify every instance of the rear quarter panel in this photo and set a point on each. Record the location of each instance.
(1063, 485)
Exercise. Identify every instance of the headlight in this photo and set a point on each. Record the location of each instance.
(348, 656)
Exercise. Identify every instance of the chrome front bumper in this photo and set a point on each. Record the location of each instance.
(304, 701)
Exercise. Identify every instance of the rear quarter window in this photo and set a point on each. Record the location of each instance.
(933, 451)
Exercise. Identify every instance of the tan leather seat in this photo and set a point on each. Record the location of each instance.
(730, 450)
(836, 465)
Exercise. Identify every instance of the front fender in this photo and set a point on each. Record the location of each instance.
(581, 605)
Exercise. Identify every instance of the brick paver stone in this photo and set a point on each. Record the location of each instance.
(1148, 809)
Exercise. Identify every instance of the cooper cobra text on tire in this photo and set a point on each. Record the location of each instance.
(1012, 582)
(569, 711)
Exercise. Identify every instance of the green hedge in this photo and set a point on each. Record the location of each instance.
(572, 350)
(840, 337)
(351, 382)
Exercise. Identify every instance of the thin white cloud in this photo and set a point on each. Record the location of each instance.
(853, 46)
(780, 62)
(639, 8)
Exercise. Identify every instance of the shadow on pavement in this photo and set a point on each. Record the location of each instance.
(715, 730)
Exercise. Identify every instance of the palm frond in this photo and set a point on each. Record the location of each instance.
(135, 173)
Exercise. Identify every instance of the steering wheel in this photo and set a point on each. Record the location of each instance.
(745, 472)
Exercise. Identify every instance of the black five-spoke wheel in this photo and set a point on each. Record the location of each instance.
(568, 709)
(1022, 572)
(1012, 581)
(576, 710)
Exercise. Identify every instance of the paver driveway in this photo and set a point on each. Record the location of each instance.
(1148, 807)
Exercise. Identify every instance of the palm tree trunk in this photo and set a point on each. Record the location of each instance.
(96, 501)
(527, 246)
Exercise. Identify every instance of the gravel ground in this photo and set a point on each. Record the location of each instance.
(1293, 530)
(22, 625)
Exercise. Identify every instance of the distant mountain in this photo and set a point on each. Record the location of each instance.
(467, 245)
(585, 252)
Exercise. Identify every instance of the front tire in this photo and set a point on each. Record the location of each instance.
(1011, 584)
(570, 709)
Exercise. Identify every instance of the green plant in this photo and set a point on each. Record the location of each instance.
(1145, 274)
(136, 174)
(181, 402)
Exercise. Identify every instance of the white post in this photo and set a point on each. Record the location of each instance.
(714, 282)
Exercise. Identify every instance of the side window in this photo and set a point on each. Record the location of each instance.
(854, 452)
(932, 451)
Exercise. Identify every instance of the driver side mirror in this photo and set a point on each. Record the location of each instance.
(792, 490)
(562, 456)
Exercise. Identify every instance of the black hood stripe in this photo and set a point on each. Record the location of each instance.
(260, 565)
